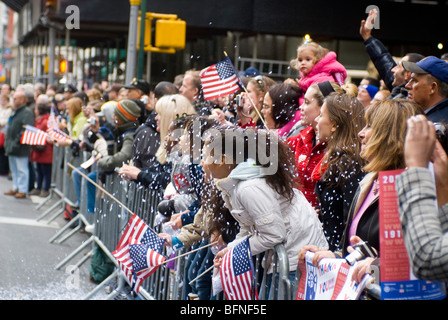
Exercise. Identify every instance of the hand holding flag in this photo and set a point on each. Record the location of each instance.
(221, 79)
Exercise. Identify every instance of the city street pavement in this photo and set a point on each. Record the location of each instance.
(28, 259)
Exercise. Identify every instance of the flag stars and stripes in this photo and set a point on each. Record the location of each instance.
(241, 263)
(138, 252)
(219, 80)
(33, 136)
(237, 273)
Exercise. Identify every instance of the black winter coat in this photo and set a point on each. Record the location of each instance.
(334, 203)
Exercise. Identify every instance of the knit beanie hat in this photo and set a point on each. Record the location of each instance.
(127, 110)
(372, 90)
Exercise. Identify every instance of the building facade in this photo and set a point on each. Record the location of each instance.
(260, 33)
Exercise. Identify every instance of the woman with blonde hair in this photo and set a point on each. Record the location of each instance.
(76, 117)
(168, 108)
(76, 120)
(382, 147)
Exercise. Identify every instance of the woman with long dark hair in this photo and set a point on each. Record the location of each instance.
(340, 170)
(254, 171)
(382, 147)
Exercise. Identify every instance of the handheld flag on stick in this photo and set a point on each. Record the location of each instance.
(53, 128)
(219, 80)
(57, 134)
(33, 136)
(237, 273)
(222, 79)
(52, 122)
(138, 252)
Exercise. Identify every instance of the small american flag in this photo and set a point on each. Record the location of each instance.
(53, 128)
(33, 136)
(145, 261)
(52, 122)
(237, 272)
(57, 134)
(137, 233)
(219, 80)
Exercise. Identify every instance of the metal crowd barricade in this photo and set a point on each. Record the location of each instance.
(165, 283)
(56, 187)
(69, 198)
(111, 218)
(62, 184)
(280, 287)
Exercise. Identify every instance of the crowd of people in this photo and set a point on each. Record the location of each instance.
(325, 140)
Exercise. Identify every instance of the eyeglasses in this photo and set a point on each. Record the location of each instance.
(265, 106)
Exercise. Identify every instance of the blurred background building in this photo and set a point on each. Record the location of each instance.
(37, 46)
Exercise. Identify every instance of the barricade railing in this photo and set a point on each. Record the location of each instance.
(110, 221)
(111, 218)
(62, 183)
(165, 283)
(280, 287)
(56, 186)
(68, 197)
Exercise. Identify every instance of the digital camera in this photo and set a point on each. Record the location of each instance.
(361, 250)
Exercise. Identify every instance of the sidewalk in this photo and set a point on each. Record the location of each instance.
(28, 259)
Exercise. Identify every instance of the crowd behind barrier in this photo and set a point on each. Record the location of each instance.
(133, 139)
(109, 221)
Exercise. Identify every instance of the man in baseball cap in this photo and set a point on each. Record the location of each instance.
(137, 89)
(428, 86)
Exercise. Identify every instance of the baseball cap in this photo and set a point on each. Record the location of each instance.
(429, 65)
(138, 84)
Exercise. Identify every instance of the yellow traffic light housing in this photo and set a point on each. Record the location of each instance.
(170, 33)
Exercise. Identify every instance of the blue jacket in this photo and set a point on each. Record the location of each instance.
(438, 112)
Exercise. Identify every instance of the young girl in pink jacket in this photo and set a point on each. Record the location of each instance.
(317, 64)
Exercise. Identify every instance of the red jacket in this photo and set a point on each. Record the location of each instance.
(45, 156)
(307, 157)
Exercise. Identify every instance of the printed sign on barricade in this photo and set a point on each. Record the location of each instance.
(331, 280)
(397, 279)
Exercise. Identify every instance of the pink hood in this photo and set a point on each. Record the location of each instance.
(328, 68)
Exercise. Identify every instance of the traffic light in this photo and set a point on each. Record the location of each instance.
(63, 66)
(170, 33)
